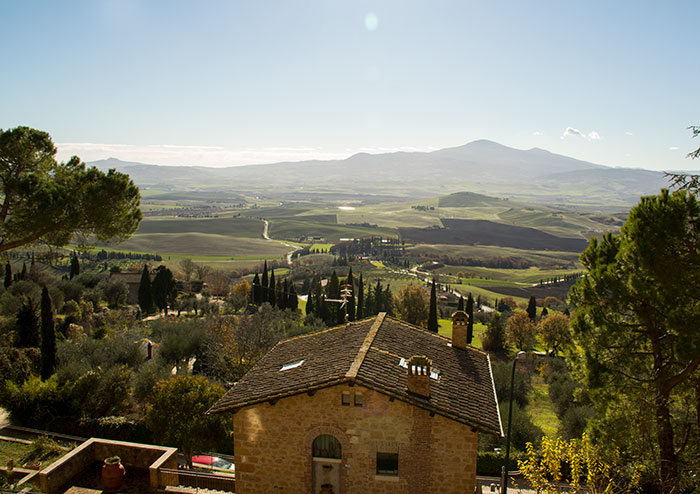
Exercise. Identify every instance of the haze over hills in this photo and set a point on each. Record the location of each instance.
(480, 166)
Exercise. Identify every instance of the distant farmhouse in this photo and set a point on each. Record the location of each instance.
(376, 405)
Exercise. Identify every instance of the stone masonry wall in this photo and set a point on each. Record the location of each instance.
(272, 445)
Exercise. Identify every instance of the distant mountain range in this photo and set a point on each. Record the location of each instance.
(482, 166)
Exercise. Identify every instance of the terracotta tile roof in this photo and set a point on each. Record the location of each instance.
(369, 352)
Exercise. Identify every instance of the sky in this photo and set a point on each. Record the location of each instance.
(221, 83)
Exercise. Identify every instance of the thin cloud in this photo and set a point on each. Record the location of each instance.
(572, 132)
(628, 133)
(537, 133)
(673, 148)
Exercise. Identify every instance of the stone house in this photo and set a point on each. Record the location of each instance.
(373, 406)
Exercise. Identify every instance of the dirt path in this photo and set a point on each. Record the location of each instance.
(266, 236)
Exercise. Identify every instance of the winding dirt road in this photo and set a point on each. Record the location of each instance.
(266, 227)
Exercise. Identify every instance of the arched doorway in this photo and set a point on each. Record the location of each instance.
(327, 461)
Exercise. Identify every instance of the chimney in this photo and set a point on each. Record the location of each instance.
(460, 326)
(419, 375)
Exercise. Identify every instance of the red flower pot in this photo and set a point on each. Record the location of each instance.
(113, 473)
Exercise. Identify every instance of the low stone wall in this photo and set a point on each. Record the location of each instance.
(138, 455)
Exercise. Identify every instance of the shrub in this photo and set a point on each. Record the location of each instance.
(502, 372)
(115, 292)
(71, 289)
(35, 402)
(489, 463)
(495, 336)
(89, 279)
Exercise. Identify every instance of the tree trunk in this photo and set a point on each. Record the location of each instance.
(667, 454)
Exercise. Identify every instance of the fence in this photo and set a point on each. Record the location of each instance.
(200, 480)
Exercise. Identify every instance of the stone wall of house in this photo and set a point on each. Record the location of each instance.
(273, 444)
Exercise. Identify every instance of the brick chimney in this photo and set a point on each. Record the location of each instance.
(419, 375)
(460, 326)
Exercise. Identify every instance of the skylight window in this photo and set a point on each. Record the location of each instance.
(291, 366)
(434, 374)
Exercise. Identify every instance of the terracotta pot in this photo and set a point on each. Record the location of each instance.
(113, 473)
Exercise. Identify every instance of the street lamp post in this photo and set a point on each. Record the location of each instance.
(504, 470)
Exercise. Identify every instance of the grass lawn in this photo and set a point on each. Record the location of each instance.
(13, 451)
(445, 329)
(540, 407)
(44, 450)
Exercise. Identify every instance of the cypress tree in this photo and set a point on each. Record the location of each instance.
(378, 299)
(351, 301)
(27, 325)
(336, 315)
(432, 313)
(292, 299)
(284, 295)
(470, 323)
(360, 298)
(388, 301)
(23, 276)
(8, 275)
(271, 295)
(145, 294)
(48, 336)
(256, 291)
(532, 308)
(544, 313)
(264, 285)
(322, 309)
(74, 266)
(163, 288)
(460, 304)
(310, 303)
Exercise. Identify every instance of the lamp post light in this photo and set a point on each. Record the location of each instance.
(504, 470)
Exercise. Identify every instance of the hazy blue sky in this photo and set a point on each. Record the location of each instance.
(232, 82)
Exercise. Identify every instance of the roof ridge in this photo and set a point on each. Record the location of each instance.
(360, 357)
(314, 333)
(430, 333)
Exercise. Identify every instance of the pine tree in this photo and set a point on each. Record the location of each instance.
(271, 293)
(8, 275)
(351, 301)
(460, 304)
(27, 325)
(292, 299)
(264, 285)
(470, 323)
(360, 298)
(48, 336)
(145, 297)
(432, 313)
(532, 308)
(256, 292)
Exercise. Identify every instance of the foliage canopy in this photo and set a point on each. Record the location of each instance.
(50, 201)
